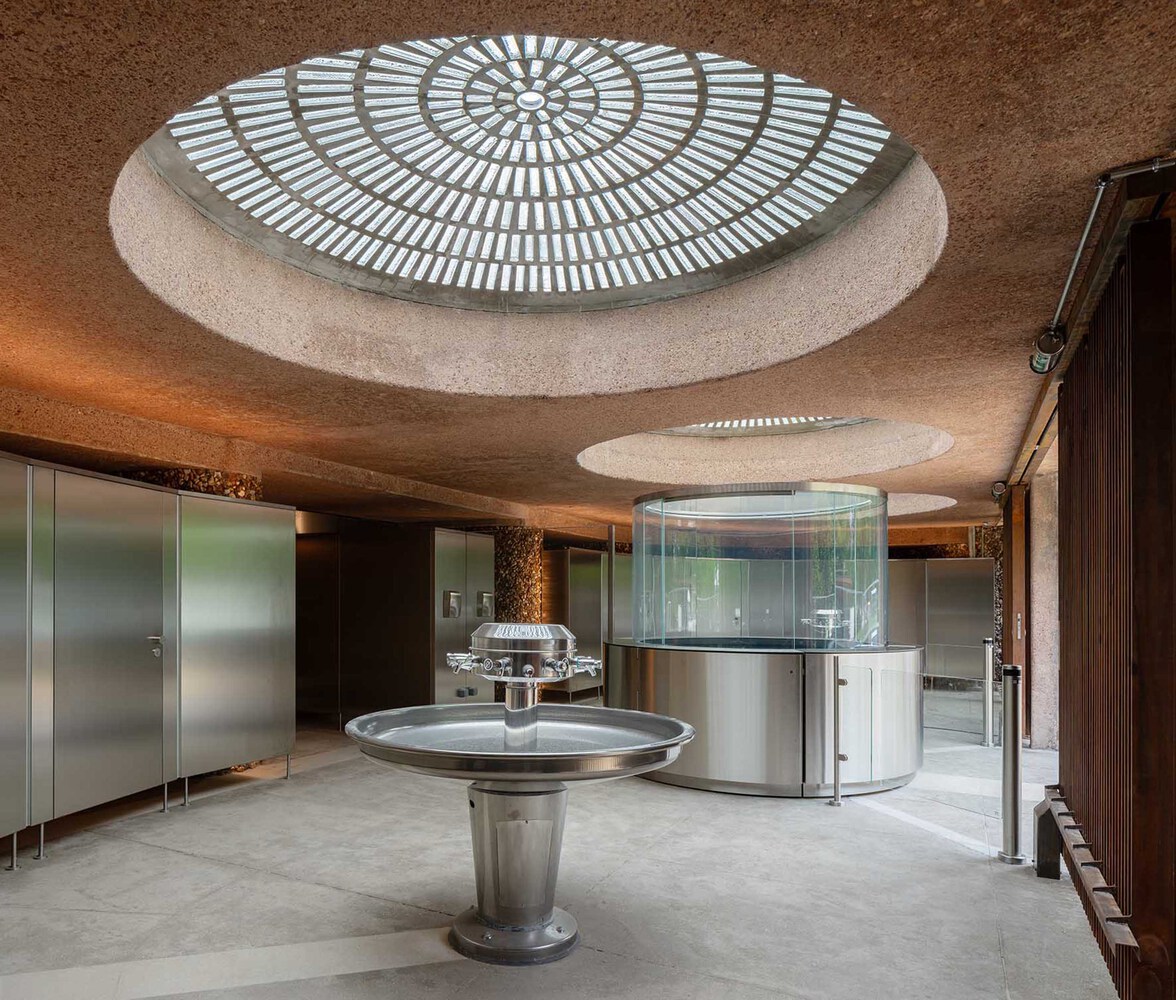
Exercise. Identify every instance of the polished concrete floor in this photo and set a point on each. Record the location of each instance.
(338, 884)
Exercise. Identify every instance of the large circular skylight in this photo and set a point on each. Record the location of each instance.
(527, 173)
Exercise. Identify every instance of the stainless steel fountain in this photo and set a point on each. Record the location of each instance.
(520, 755)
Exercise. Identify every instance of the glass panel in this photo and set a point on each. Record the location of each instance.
(796, 569)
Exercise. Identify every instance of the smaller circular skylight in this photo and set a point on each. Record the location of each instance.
(754, 426)
(527, 172)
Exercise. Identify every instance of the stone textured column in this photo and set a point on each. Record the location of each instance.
(990, 545)
(212, 481)
(1044, 611)
(518, 574)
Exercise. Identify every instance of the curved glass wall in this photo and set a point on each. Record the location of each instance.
(788, 566)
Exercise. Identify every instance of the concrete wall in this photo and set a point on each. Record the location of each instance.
(1044, 643)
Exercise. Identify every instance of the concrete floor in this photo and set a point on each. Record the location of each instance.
(338, 884)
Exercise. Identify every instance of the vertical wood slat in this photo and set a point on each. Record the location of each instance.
(1118, 609)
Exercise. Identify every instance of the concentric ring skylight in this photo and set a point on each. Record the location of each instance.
(527, 172)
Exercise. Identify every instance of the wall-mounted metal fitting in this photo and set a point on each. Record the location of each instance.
(998, 489)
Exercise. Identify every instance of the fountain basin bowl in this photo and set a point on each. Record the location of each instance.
(572, 742)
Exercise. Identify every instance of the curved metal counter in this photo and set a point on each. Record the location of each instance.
(764, 717)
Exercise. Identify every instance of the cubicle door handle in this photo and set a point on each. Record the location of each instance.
(158, 650)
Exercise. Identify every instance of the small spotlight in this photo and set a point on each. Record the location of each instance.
(1047, 349)
(998, 489)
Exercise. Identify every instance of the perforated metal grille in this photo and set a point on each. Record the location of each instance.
(527, 172)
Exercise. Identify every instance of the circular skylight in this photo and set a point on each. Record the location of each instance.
(756, 426)
(527, 173)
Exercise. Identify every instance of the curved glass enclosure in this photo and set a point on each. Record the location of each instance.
(795, 566)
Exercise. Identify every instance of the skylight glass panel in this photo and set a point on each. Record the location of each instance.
(527, 173)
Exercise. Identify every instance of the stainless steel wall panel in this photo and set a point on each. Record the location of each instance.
(959, 615)
(170, 651)
(108, 671)
(479, 580)
(449, 631)
(765, 599)
(14, 646)
(907, 601)
(765, 718)
(41, 521)
(236, 620)
(748, 713)
(586, 589)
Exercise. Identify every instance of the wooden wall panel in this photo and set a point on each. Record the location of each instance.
(1118, 602)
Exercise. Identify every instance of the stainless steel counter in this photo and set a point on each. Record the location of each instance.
(764, 717)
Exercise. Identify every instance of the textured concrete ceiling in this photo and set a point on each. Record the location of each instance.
(1015, 107)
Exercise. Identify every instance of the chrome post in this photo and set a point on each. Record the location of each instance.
(522, 716)
(838, 756)
(1010, 804)
(166, 803)
(186, 799)
(287, 767)
(987, 690)
(12, 865)
(40, 855)
(612, 581)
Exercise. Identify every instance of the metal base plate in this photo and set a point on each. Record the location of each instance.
(524, 946)
(1013, 859)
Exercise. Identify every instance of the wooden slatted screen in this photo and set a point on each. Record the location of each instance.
(1117, 419)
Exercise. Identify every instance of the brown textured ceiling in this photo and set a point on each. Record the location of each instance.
(1015, 106)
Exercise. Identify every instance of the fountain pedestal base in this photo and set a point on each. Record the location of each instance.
(517, 836)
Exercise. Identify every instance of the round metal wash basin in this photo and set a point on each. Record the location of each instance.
(570, 742)
(518, 757)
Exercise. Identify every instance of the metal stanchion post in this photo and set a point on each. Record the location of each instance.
(12, 865)
(838, 756)
(1010, 805)
(987, 692)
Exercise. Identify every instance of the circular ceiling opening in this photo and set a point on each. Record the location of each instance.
(821, 448)
(527, 173)
(761, 426)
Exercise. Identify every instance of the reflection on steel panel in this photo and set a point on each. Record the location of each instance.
(41, 646)
(108, 604)
(747, 711)
(450, 634)
(14, 521)
(237, 633)
(765, 719)
(479, 603)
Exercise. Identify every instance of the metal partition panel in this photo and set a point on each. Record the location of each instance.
(479, 596)
(747, 709)
(108, 669)
(907, 602)
(41, 645)
(449, 617)
(14, 646)
(236, 633)
(959, 615)
(586, 587)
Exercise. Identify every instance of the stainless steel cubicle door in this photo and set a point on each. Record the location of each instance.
(236, 633)
(108, 685)
(14, 692)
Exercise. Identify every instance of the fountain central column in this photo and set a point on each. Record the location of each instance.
(522, 716)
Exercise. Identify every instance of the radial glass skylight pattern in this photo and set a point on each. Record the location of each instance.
(527, 172)
(760, 426)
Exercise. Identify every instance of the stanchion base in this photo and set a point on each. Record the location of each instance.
(517, 946)
(1012, 859)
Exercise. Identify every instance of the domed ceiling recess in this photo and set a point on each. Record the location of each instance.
(767, 449)
(526, 173)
